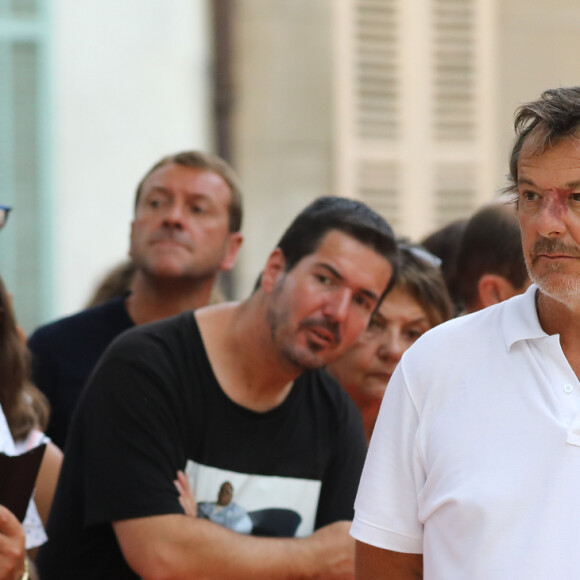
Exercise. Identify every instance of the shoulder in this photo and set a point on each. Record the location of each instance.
(465, 350)
(168, 329)
(110, 316)
(461, 334)
(149, 343)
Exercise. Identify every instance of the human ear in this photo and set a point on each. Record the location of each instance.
(273, 270)
(234, 243)
(493, 288)
(131, 233)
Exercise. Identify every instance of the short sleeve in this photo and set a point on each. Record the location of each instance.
(133, 441)
(386, 507)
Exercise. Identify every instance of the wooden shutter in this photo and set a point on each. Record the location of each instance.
(414, 108)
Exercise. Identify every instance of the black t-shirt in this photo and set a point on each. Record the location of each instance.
(153, 406)
(65, 352)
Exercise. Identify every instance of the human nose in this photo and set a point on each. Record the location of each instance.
(175, 214)
(337, 304)
(391, 346)
(550, 219)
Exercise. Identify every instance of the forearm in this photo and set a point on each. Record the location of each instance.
(375, 563)
(174, 546)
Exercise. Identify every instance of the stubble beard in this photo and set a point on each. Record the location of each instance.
(555, 281)
(277, 317)
(559, 286)
(167, 269)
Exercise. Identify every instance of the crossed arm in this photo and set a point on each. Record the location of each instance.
(178, 547)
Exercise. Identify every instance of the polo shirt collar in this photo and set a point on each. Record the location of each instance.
(520, 320)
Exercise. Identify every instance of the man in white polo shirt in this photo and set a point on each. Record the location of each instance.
(474, 467)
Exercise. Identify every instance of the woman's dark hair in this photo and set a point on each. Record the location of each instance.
(23, 404)
(423, 280)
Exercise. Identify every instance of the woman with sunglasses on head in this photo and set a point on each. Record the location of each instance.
(418, 302)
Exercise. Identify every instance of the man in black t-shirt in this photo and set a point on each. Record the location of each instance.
(233, 393)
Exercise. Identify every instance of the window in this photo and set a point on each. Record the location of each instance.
(23, 154)
(414, 114)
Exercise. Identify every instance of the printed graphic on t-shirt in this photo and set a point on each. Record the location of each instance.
(261, 505)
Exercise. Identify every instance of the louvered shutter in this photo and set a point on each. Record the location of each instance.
(414, 108)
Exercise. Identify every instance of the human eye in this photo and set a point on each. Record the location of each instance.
(413, 333)
(199, 208)
(575, 197)
(155, 201)
(362, 301)
(529, 195)
(376, 324)
(323, 279)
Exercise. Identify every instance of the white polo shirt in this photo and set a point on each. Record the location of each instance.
(475, 457)
(32, 525)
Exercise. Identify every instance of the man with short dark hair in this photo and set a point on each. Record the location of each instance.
(490, 263)
(188, 213)
(474, 466)
(234, 392)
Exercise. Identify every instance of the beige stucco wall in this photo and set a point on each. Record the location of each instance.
(281, 119)
(130, 84)
(539, 44)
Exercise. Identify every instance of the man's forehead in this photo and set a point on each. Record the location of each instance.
(344, 255)
(561, 156)
(194, 181)
(333, 241)
(185, 172)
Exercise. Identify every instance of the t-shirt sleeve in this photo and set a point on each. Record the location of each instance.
(133, 439)
(342, 475)
(386, 507)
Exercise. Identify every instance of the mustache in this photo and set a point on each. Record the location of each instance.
(552, 246)
(329, 325)
(171, 234)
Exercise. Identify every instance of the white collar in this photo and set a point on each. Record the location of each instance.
(520, 320)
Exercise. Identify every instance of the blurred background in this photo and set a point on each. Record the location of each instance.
(405, 104)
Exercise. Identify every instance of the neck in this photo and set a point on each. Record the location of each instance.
(251, 369)
(563, 319)
(253, 317)
(153, 299)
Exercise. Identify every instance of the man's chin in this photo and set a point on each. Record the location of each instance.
(166, 269)
(562, 288)
(306, 361)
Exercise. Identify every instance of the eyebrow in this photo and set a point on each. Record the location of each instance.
(339, 276)
(419, 320)
(158, 189)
